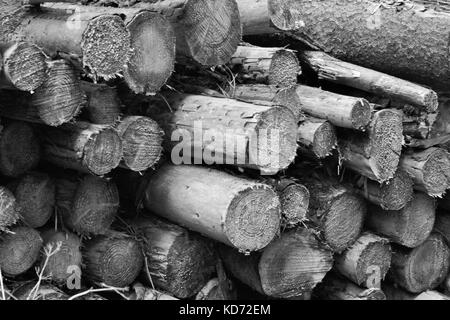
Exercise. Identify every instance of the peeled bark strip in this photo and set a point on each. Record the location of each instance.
(24, 66)
(142, 140)
(394, 293)
(422, 268)
(368, 257)
(20, 149)
(114, 259)
(409, 226)
(59, 265)
(103, 103)
(35, 198)
(289, 267)
(334, 287)
(273, 66)
(88, 206)
(227, 131)
(8, 209)
(82, 146)
(375, 154)
(429, 169)
(294, 199)
(392, 195)
(19, 250)
(336, 210)
(381, 84)
(100, 42)
(178, 261)
(238, 212)
(342, 111)
(317, 136)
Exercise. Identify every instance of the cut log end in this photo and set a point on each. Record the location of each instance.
(103, 152)
(142, 142)
(319, 136)
(361, 114)
(103, 104)
(8, 211)
(19, 250)
(25, 66)
(436, 173)
(431, 101)
(153, 57)
(398, 192)
(344, 221)
(284, 69)
(106, 46)
(212, 30)
(253, 218)
(294, 199)
(60, 98)
(20, 149)
(282, 17)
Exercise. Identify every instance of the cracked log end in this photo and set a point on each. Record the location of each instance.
(361, 114)
(436, 173)
(253, 218)
(294, 199)
(19, 250)
(431, 101)
(60, 98)
(113, 260)
(8, 212)
(25, 66)
(212, 30)
(153, 53)
(106, 46)
(397, 192)
(284, 69)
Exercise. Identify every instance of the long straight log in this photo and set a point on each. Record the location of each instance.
(238, 212)
(219, 130)
(9, 214)
(429, 169)
(289, 267)
(367, 261)
(409, 226)
(82, 146)
(272, 66)
(422, 268)
(88, 205)
(342, 111)
(103, 104)
(99, 42)
(340, 72)
(365, 33)
(178, 261)
(376, 153)
(394, 293)
(23, 67)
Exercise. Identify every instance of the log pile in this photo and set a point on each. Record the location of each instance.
(224, 149)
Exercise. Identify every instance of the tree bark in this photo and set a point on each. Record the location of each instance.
(238, 212)
(103, 105)
(340, 72)
(23, 66)
(281, 270)
(422, 268)
(8, 209)
(409, 226)
(272, 66)
(87, 206)
(219, 130)
(178, 261)
(99, 42)
(375, 154)
(82, 146)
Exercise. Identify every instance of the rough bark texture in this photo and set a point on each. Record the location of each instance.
(82, 146)
(369, 256)
(19, 250)
(100, 42)
(35, 198)
(20, 149)
(178, 261)
(429, 169)
(375, 154)
(103, 104)
(422, 268)
(409, 226)
(88, 206)
(8, 209)
(234, 132)
(289, 267)
(381, 84)
(272, 66)
(142, 140)
(238, 212)
(23, 67)
(114, 259)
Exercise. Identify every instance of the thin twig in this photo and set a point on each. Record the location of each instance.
(1, 285)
